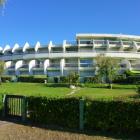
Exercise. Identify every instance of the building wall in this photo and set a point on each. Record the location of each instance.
(76, 56)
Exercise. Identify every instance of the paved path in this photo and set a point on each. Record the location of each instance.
(74, 91)
(11, 131)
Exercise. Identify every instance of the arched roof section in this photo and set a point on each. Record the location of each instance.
(16, 46)
(7, 48)
(37, 46)
(26, 46)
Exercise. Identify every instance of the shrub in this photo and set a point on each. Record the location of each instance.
(113, 115)
(6, 78)
(73, 78)
(92, 79)
(34, 79)
(63, 79)
(58, 112)
(57, 85)
(56, 79)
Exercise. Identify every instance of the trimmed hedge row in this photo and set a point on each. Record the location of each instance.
(127, 80)
(33, 79)
(6, 78)
(115, 115)
(58, 112)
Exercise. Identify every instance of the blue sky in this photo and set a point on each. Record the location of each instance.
(56, 20)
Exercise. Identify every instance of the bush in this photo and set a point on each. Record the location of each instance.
(63, 79)
(57, 85)
(138, 89)
(6, 78)
(92, 79)
(115, 115)
(56, 79)
(112, 115)
(34, 79)
(58, 112)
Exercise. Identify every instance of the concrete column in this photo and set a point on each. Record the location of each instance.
(107, 43)
(16, 46)
(78, 44)
(32, 64)
(93, 49)
(37, 46)
(50, 46)
(46, 65)
(62, 65)
(135, 46)
(18, 65)
(64, 46)
(26, 46)
(121, 48)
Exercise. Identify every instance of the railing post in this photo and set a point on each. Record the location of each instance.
(4, 105)
(81, 114)
(24, 108)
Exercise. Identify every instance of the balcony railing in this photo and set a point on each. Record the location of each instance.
(86, 42)
(71, 65)
(100, 42)
(71, 43)
(86, 65)
(54, 65)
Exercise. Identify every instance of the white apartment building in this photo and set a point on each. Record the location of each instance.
(71, 56)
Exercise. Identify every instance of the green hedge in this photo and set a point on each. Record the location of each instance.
(33, 79)
(58, 112)
(112, 115)
(6, 78)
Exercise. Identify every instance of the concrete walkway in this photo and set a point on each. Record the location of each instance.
(12, 131)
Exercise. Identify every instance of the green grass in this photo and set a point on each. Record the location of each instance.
(102, 93)
(36, 89)
(32, 89)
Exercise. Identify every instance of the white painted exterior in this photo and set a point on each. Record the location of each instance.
(71, 56)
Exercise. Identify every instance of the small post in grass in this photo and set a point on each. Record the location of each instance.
(81, 114)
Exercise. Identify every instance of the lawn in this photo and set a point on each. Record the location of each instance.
(36, 89)
(102, 93)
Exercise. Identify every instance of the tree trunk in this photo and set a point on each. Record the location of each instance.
(0, 81)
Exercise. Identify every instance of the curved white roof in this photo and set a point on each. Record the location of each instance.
(7, 47)
(26, 46)
(16, 46)
(95, 35)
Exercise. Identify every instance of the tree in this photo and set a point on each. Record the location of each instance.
(73, 78)
(2, 2)
(1, 69)
(107, 68)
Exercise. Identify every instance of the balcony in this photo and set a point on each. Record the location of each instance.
(11, 68)
(72, 66)
(54, 66)
(86, 43)
(87, 66)
(100, 43)
(24, 67)
(57, 49)
(127, 44)
(38, 67)
(114, 44)
(71, 43)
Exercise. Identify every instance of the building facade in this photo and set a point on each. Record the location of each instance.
(71, 56)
